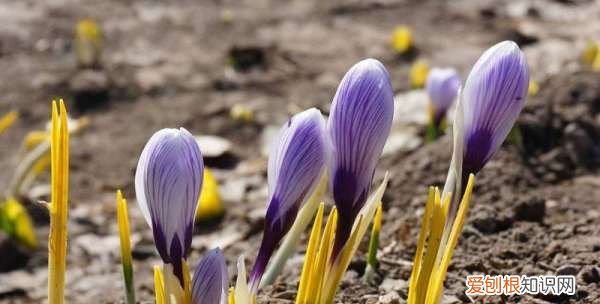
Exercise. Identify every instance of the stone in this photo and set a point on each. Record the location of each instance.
(530, 210)
(567, 270)
(590, 274)
(213, 146)
(391, 297)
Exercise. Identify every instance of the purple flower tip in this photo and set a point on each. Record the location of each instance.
(168, 180)
(442, 87)
(492, 98)
(297, 161)
(210, 282)
(359, 124)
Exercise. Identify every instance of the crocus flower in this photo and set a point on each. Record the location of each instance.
(210, 282)
(297, 161)
(492, 98)
(167, 185)
(359, 124)
(442, 87)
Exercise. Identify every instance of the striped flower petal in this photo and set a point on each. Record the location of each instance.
(210, 282)
(492, 98)
(168, 180)
(297, 161)
(359, 124)
(442, 87)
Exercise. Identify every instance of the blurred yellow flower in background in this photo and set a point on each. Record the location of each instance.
(210, 205)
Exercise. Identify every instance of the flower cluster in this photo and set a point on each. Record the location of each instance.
(310, 155)
(346, 150)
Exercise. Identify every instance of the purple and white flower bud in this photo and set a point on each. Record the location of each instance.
(492, 98)
(297, 161)
(168, 180)
(359, 125)
(210, 282)
(442, 87)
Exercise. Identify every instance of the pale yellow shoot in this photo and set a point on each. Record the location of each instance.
(159, 286)
(242, 292)
(187, 283)
(210, 205)
(173, 289)
(58, 207)
(402, 39)
(418, 74)
(7, 120)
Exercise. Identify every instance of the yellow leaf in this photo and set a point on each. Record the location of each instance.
(34, 138)
(418, 74)
(123, 222)
(309, 257)
(159, 286)
(590, 53)
(88, 42)
(23, 230)
(533, 88)
(210, 205)
(231, 296)
(437, 282)
(59, 205)
(417, 263)
(402, 39)
(241, 113)
(8, 120)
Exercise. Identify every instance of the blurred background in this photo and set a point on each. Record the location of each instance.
(232, 72)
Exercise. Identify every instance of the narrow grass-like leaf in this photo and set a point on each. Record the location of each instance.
(440, 275)
(8, 120)
(126, 261)
(374, 240)
(160, 296)
(310, 257)
(417, 264)
(57, 243)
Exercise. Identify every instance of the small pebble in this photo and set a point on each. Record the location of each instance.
(590, 274)
(567, 270)
(391, 297)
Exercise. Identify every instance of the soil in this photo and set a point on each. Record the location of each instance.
(535, 205)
